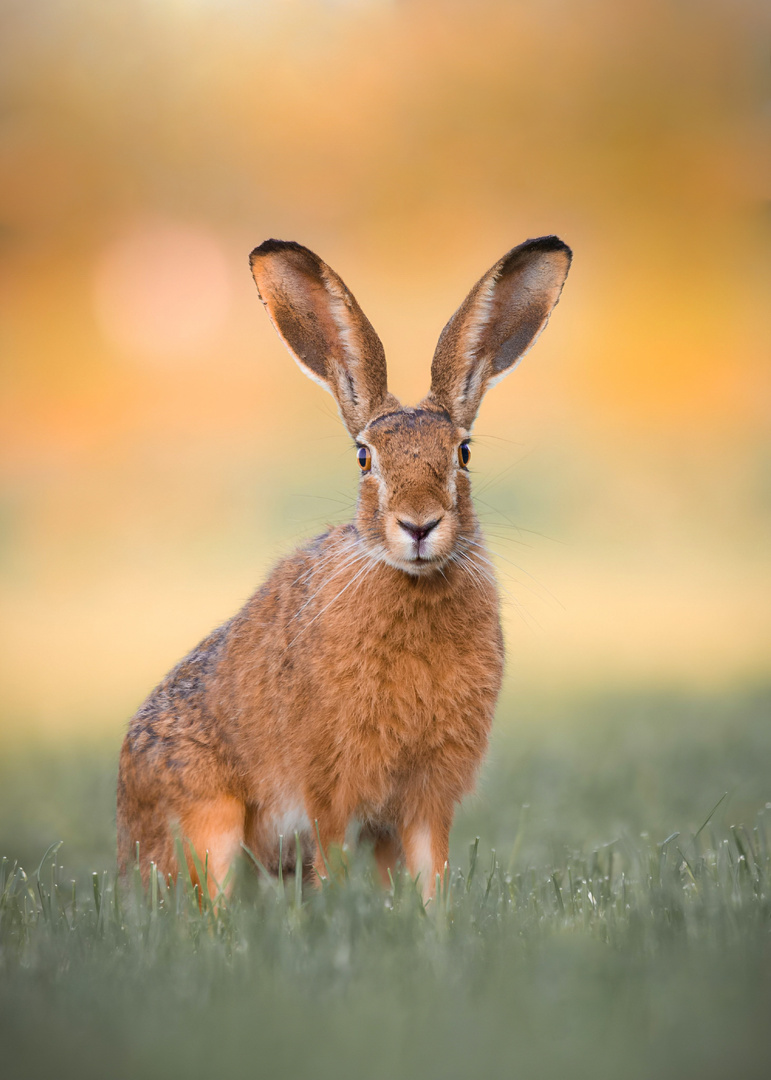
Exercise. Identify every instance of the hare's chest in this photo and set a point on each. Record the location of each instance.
(425, 729)
(416, 693)
(406, 703)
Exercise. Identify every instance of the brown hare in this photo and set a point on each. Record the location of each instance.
(359, 682)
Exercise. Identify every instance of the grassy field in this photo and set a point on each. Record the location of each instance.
(620, 927)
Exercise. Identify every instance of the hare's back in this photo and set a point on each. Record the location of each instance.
(174, 732)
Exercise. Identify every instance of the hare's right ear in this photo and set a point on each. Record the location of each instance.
(323, 327)
(496, 324)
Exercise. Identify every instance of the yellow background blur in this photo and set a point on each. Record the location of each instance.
(160, 449)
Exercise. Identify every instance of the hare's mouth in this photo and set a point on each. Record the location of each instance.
(419, 565)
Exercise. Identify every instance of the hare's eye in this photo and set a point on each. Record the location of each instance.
(364, 457)
(464, 454)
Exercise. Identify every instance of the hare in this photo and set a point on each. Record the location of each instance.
(359, 682)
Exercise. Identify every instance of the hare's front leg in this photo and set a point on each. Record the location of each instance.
(214, 830)
(426, 843)
(386, 849)
(331, 826)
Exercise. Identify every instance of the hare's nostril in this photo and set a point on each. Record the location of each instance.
(418, 532)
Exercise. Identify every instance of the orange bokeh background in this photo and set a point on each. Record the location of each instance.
(160, 450)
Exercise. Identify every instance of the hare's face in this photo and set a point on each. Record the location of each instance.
(414, 499)
(414, 508)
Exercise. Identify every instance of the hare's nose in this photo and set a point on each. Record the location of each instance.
(418, 532)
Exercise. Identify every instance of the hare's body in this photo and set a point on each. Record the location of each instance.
(360, 681)
(375, 711)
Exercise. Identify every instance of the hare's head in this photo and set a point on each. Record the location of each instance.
(414, 498)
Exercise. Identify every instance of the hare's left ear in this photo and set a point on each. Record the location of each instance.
(496, 324)
(323, 327)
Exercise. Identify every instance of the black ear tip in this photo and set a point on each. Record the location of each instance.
(530, 249)
(273, 247)
(545, 244)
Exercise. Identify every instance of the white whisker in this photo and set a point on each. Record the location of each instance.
(346, 565)
(369, 565)
(317, 564)
(522, 570)
(333, 556)
(474, 571)
(474, 561)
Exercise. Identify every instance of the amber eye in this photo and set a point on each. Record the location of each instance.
(464, 454)
(364, 458)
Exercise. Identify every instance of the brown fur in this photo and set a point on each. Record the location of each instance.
(360, 681)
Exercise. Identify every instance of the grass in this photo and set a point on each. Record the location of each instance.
(584, 945)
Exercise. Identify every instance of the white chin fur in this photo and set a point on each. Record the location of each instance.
(413, 567)
(380, 553)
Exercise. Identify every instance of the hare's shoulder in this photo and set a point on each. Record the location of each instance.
(186, 699)
(297, 575)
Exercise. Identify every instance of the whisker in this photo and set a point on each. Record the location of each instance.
(516, 528)
(348, 503)
(522, 570)
(475, 571)
(498, 438)
(333, 554)
(351, 561)
(334, 566)
(495, 510)
(317, 564)
(499, 476)
(507, 539)
(354, 579)
(521, 610)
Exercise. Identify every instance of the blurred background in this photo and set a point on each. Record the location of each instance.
(160, 450)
